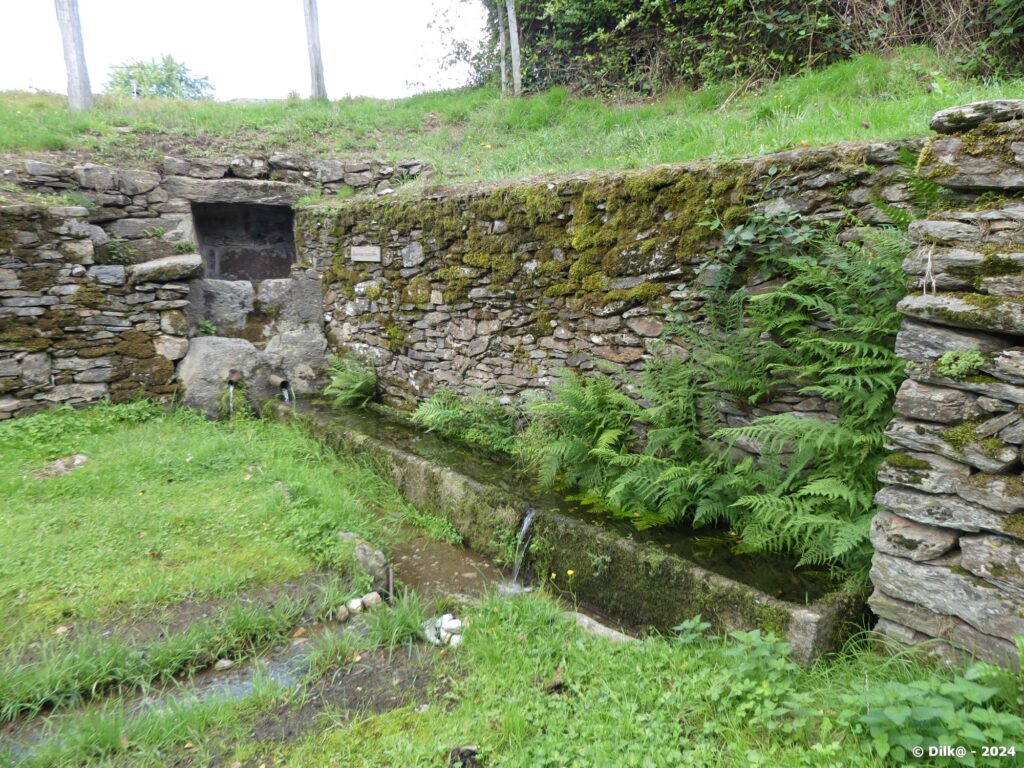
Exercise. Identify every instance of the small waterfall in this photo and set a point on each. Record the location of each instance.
(231, 398)
(522, 546)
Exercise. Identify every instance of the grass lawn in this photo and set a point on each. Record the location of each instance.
(232, 507)
(169, 521)
(474, 134)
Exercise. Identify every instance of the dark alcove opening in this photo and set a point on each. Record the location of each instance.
(245, 242)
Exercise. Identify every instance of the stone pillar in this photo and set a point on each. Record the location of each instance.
(949, 539)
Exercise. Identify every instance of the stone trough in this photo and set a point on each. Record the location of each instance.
(643, 583)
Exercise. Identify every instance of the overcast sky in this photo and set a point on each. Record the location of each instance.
(248, 48)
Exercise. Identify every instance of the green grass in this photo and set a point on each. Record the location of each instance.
(168, 508)
(530, 690)
(474, 134)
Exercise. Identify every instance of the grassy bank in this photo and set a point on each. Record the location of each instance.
(224, 532)
(474, 134)
(527, 688)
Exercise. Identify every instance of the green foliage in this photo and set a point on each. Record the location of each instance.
(353, 381)
(184, 246)
(116, 251)
(643, 46)
(206, 328)
(968, 711)
(584, 413)
(398, 625)
(478, 420)
(164, 79)
(960, 363)
(655, 451)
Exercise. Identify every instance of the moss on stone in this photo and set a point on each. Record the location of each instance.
(905, 461)
(961, 436)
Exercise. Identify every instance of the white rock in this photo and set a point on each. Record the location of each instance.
(451, 625)
(372, 600)
(355, 605)
(455, 641)
(223, 664)
(341, 613)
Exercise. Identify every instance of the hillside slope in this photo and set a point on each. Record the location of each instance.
(474, 134)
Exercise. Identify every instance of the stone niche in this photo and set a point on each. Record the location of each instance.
(239, 241)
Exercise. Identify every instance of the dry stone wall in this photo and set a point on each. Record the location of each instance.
(103, 299)
(949, 538)
(74, 331)
(147, 214)
(499, 288)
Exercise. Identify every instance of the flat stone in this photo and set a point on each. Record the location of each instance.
(940, 476)
(645, 326)
(897, 536)
(372, 600)
(942, 589)
(990, 387)
(597, 629)
(967, 116)
(171, 347)
(412, 255)
(167, 269)
(40, 168)
(248, 167)
(943, 510)
(174, 322)
(36, 368)
(75, 392)
(108, 274)
(1002, 493)
(96, 177)
(924, 624)
(995, 559)
(1004, 315)
(928, 403)
(137, 182)
(327, 171)
(225, 303)
(927, 437)
(257, 192)
(953, 269)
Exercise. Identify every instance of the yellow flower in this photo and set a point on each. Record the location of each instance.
(554, 575)
(570, 572)
(488, 146)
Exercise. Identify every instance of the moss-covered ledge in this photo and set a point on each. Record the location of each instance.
(633, 582)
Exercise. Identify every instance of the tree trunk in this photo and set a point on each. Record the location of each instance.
(503, 45)
(79, 92)
(513, 34)
(318, 90)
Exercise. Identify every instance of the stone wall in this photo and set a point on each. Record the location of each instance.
(104, 299)
(147, 214)
(949, 539)
(499, 288)
(74, 331)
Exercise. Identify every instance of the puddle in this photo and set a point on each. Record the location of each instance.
(434, 569)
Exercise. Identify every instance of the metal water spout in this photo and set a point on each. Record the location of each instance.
(285, 386)
(234, 378)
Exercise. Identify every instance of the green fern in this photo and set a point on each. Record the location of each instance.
(353, 381)
(479, 420)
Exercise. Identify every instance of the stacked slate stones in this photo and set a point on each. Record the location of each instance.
(949, 540)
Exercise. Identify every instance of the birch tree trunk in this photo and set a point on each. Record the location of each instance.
(503, 45)
(318, 89)
(79, 92)
(513, 34)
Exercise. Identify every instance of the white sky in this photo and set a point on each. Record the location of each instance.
(247, 48)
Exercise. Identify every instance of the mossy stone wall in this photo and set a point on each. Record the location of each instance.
(499, 287)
